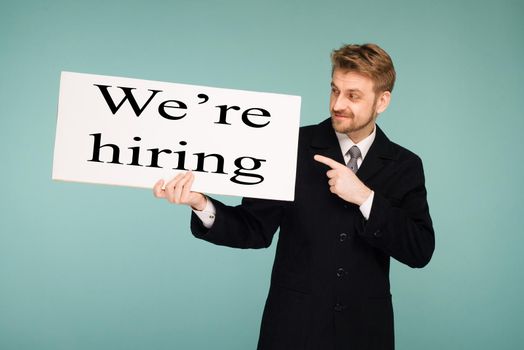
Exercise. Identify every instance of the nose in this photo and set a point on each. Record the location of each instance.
(338, 103)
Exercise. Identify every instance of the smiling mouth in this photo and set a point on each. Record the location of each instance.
(340, 116)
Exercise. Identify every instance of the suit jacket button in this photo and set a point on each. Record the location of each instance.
(377, 233)
(338, 307)
(342, 237)
(341, 272)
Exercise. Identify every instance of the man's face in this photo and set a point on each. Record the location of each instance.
(354, 105)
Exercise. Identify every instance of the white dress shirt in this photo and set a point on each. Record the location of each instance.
(208, 214)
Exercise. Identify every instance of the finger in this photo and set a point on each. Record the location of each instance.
(187, 188)
(177, 194)
(331, 173)
(157, 189)
(328, 161)
(171, 185)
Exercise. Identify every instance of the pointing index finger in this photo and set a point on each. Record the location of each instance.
(328, 161)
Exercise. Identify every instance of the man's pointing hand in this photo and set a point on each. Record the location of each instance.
(343, 182)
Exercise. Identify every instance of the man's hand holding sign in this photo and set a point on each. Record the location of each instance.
(178, 191)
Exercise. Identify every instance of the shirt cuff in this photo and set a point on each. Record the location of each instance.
(207, 216)
(365, 208)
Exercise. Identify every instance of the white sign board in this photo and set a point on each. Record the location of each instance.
(130, 132)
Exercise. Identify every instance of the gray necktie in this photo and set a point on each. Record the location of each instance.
(354, 153)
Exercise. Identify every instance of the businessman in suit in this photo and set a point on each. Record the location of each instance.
(359, 200)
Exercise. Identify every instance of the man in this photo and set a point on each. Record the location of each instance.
(354, 208)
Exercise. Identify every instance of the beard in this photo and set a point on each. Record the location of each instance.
(342, 126)
(350, 125)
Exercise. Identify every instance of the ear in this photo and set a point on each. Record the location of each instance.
(383, 101)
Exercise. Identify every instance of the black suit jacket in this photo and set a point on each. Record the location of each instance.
(330, 280)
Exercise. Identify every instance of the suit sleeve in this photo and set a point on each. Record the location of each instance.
(249, 225)
(400, 224)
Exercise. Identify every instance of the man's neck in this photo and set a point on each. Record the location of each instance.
(361, 134)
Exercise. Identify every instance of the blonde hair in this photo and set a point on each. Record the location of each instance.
(369, 60)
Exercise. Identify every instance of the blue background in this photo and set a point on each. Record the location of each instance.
(98, 267)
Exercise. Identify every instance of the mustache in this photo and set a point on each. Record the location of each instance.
(347, 115)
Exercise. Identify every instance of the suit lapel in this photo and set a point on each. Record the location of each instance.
(325, 142)
(378, 155)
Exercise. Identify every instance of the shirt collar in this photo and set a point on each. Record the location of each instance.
(364, 145)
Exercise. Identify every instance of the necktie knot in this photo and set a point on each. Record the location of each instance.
(354, 153)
